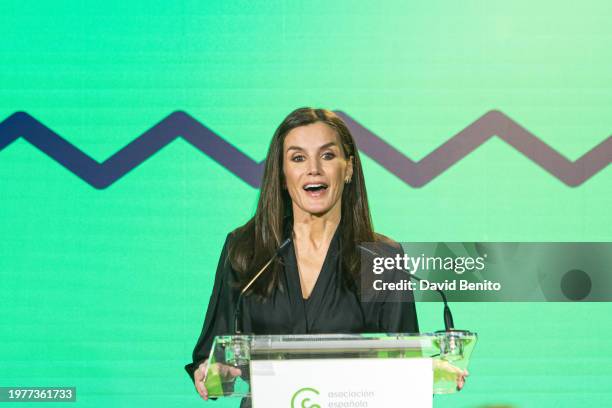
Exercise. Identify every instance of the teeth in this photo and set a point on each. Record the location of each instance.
(313, 186)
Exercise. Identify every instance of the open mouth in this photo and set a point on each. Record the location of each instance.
(315, 189)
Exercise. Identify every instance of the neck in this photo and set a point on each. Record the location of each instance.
(316, 229)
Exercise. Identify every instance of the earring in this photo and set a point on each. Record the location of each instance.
(347, 180)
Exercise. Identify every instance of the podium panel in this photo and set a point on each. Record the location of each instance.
(342, 382)
(438, 356)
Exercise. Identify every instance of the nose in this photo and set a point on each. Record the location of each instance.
(314, 167)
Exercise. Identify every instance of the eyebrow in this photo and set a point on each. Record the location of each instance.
(326, 145)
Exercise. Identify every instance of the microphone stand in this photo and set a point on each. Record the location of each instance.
(237, 326)
(449, 325)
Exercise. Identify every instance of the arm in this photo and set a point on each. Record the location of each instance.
(398, 315)
(219, 313)
(398, 310)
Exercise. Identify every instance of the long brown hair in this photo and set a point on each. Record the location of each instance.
(255, 242)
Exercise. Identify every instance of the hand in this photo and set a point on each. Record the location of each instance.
(443, 370)
(199, 375)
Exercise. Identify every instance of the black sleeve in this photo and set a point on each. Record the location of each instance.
(398, 311)
(220, 312)
(398, 314)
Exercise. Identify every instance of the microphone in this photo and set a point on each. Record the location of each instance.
(448, 316)
(449, 325)
(250, 283)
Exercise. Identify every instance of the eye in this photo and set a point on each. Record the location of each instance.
(298, 158)
(328, 156)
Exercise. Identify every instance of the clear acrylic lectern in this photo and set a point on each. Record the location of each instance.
(449, 351)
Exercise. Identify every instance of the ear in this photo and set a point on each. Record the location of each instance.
(349, 168)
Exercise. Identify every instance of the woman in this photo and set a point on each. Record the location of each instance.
(313, 192)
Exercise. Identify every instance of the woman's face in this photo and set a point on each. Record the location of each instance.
(315, 168)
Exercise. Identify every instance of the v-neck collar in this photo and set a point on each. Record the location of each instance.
(310, 307)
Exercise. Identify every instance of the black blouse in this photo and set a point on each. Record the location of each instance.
(331, 307)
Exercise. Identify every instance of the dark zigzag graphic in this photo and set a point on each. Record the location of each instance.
(492, 123)
(416, 174)
(102, 175)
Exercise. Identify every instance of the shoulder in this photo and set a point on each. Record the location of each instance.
(225, 271)
(387, 245)
(229, 244)
(232, 239)
(238, 247)
(385, 240)
(242, 232)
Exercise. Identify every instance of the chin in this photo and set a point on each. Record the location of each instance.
(318, 209)
(318, 213)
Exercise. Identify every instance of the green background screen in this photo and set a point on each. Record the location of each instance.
(106, 289)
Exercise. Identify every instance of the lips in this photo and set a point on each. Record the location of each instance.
(315, 189)
(315, 186)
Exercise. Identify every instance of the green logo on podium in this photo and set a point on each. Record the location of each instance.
(301, 398)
